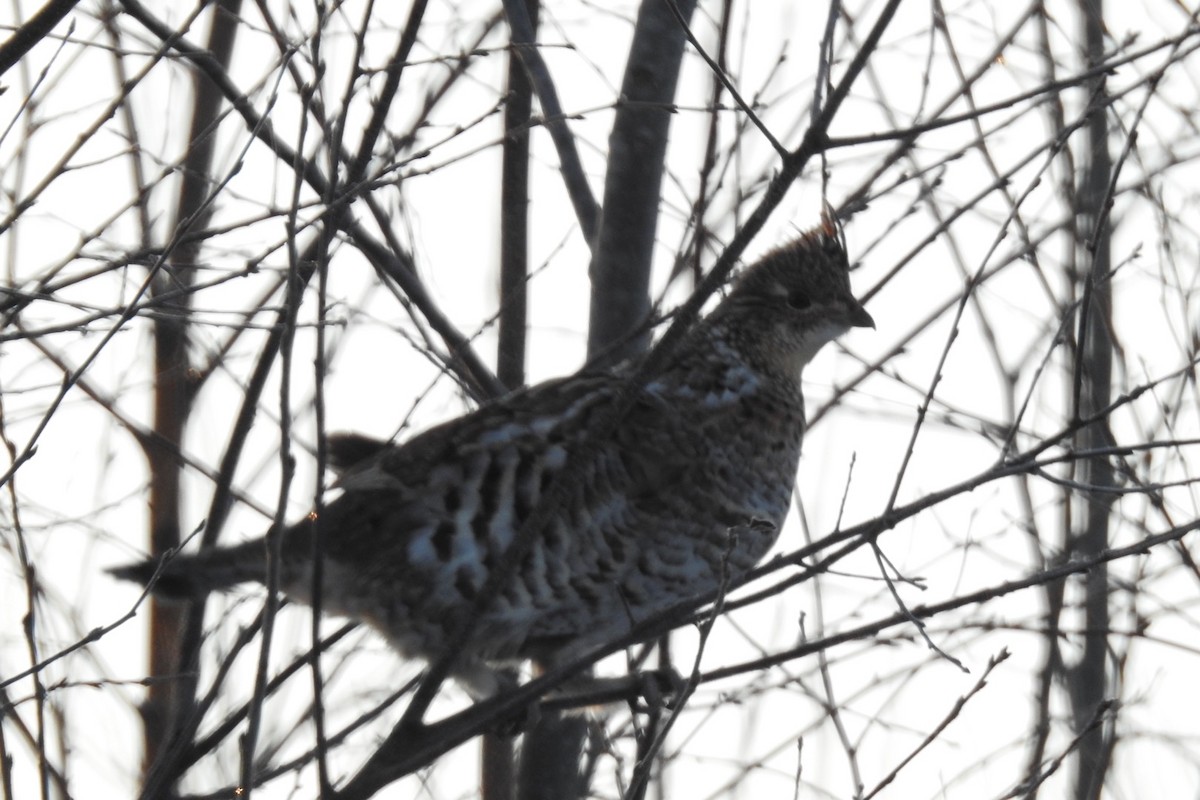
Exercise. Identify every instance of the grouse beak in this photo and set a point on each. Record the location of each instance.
(857, 316)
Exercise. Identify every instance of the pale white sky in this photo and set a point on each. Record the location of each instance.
(81, 498)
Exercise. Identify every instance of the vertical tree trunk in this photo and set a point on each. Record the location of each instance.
(1087, 679)
(498, 771)
(514, 219)
(169, 698)
(637, 147)
(620, 301)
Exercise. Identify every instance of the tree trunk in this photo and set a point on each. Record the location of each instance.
(169, 698)
(1087, 680)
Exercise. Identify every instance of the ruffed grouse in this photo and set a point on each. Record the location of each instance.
(694, 478)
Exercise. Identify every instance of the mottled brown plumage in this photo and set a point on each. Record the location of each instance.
(705, 456)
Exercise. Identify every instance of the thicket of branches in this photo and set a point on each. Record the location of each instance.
(230, 228)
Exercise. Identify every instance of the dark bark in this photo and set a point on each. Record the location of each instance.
(514, 219)
(170, 764)
(1087, 679)
(620, 269)
(620, 300)
(523, 37)
(498, 769)
(34, 30)
(169, 700)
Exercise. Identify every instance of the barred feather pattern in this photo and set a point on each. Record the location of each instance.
(695, 478)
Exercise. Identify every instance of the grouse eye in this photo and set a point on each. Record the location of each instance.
(798, 300)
